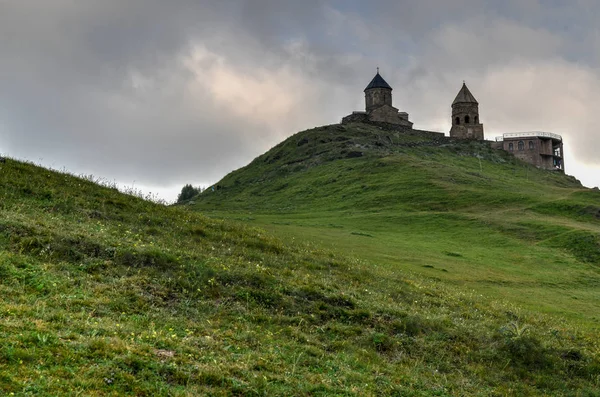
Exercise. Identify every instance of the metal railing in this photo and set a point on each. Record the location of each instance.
(540, 134)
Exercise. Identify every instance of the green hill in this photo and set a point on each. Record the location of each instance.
(456, 211)
(460, 213)
(391, 275)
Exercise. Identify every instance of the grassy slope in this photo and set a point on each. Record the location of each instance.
(460, 213)
(106, 294)
(470, 217)
(463, 213)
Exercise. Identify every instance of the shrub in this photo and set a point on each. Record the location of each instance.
(187, 192)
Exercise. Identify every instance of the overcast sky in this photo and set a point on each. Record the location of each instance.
(156, 94)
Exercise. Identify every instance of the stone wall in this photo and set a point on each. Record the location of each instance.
(497, 145)
(376, 97)
(439, 136)
(363, 118)
(388, 114)
(465, 109)
(384, 115)
(357, 117)
(467, 131)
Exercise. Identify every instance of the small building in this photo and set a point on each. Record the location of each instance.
(465, 116)
(378, 105)
(542, 149)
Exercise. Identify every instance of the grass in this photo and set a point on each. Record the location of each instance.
(103, 293)
(514, 232)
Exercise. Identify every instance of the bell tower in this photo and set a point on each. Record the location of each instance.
(465, 116)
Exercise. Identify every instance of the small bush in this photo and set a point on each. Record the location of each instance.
(151, 257)
(415, 325)
(527, 351)
(187, 192)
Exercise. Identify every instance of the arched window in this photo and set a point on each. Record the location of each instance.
(476, 121)
(457, 120)
(467, 119)
(521, 145)
(531, 145)
(511, 147)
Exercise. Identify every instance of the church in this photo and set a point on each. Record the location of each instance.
(541, 149)
(378, 106)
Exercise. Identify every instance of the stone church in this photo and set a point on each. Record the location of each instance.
(378, 106)
(541, 149)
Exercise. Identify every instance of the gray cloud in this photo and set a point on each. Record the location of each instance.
(166, 93)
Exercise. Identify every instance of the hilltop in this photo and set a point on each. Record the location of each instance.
(453, 210)
(359, 166)
(103, 293)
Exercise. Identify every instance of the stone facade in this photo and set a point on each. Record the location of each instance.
(378, 106)
(389, 114)
(465, 116)
(467, 132)
(356, 117)
(377, 97)
(542, 149)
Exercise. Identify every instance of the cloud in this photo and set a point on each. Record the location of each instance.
(142, 92)
(482, 42)
(260, 96)
(522, 78)
(557, 97)
(186, 91)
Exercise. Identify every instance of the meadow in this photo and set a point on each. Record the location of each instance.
(335, 275)
(463, 213)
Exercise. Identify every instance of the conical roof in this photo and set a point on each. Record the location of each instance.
(378, 82)
(464, 96)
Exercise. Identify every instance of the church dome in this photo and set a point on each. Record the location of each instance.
(378, 82)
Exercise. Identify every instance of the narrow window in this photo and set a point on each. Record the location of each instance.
(457, 120)
(557, 151)
(531, 145)
(476, 120)
(511, 146)
(466, 119)
(521, 145)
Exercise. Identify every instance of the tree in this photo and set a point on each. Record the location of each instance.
(187, 192)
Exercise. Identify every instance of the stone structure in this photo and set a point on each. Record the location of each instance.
(378, 106)
(542, 149)
(465, 116)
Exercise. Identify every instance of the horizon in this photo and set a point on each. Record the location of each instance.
(157, 95)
